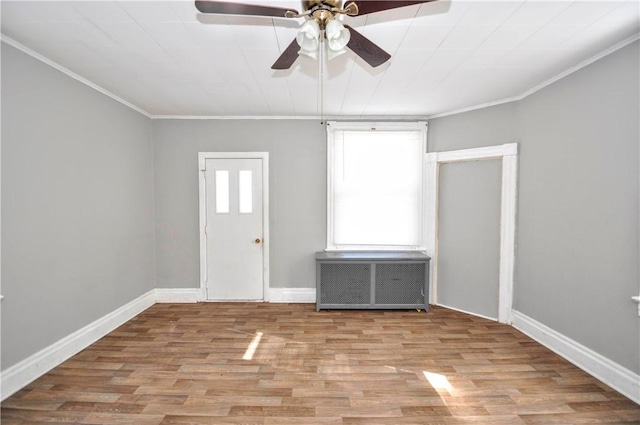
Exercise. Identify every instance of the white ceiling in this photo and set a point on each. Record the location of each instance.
(167, 59)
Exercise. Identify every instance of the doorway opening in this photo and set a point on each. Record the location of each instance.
(508, 153)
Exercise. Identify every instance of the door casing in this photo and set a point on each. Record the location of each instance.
(508, 153)
(202, 158)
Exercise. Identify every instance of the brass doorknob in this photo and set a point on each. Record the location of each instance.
(257, 240)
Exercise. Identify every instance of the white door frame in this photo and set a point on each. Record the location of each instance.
(509, 155)
(202, 158)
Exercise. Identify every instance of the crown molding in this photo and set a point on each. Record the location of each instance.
(475, 107)
(236, 117)
(325, 118)
(583, 64)
(521, 96)
(68, 72)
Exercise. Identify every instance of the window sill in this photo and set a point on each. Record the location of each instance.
(383, 249)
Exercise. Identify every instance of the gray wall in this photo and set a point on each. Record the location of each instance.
(77, 210)
(484, 127)
(78, 201)
(297, 190)
(578, 255)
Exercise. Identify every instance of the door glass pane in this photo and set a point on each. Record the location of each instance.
(222, 191)
(246, 191)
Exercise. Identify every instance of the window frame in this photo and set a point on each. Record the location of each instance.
(332, 127)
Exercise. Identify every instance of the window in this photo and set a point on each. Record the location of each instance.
(376, 185)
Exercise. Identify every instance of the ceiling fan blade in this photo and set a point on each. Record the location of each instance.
(371, 6)
(366, 49)
(228, 8)
(288, 57)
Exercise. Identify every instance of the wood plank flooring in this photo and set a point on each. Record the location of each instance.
(271, 364)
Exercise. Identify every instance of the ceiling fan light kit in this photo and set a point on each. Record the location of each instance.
(321, 24)
(310, 37)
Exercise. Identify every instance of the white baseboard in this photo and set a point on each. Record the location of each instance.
(26, 371)
(34, 366)
(617, 377)
(292, 295)
(178, 295)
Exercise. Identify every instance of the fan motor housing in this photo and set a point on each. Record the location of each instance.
(321, 11)
(310, 4)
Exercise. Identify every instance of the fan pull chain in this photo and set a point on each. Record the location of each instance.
(321, 76)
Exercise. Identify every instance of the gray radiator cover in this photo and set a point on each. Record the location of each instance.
(372, 280)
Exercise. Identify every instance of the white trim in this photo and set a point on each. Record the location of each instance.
(293, 295)
(509, 154)
(377, 125)
(614, 375)
(19, 375)
(516, 98)
(235, 117)
(431, 220)
(475, 154)
(325, 118)
(508, 233)
(476, 107)
(178, 295)
(202, 205)
(71, 74)
(202, 222)
(330, 161)
(555, 78)
(585, 63)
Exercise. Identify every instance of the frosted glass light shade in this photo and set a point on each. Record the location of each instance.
(308, 39)
(337, 36)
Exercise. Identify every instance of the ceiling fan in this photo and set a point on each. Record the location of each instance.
(321, 25)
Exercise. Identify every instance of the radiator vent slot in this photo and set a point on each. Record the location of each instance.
(400, 283)
(345, 283)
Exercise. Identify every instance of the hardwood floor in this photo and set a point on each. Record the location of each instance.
(253, 363)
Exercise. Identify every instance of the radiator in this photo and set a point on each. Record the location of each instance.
(372, 280)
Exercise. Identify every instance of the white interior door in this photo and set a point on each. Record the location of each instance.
(234, 230)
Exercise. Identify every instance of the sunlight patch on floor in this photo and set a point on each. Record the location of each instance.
(437, 381)
(253, 345)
